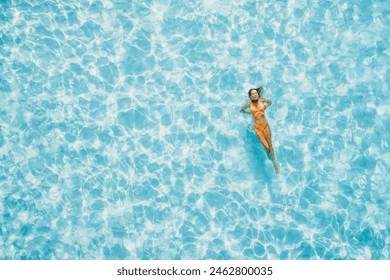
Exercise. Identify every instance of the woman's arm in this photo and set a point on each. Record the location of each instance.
(242, 110)
(267, 103)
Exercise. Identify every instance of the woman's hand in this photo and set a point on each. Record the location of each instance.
(242, 110)
(267, 103)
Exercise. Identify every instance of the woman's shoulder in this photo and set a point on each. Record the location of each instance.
(261, 99)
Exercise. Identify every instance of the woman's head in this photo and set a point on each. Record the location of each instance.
(255, 93)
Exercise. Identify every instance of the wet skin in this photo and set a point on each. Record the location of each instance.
(257, 107)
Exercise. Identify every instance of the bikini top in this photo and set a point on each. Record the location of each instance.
(257, 111)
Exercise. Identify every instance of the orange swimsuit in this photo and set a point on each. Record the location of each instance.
(260, 123)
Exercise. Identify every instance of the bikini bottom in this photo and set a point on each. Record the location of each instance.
(260, 126)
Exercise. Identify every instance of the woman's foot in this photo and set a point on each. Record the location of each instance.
(276, 168)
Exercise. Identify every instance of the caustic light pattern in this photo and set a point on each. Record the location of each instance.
(121, 136)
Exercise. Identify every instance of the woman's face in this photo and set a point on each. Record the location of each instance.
(254, 95)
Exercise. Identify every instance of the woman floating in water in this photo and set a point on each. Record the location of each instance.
(260, 124)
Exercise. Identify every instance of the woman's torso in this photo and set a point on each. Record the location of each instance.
(257, 111)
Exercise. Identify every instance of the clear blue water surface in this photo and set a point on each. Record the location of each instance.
(121, 137)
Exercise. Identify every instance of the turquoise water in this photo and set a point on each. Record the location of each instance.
(121, 137)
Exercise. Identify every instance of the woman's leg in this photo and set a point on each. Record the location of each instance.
(267, 136)
(263, 140)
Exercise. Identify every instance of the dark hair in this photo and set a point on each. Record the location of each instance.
(259, 90)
